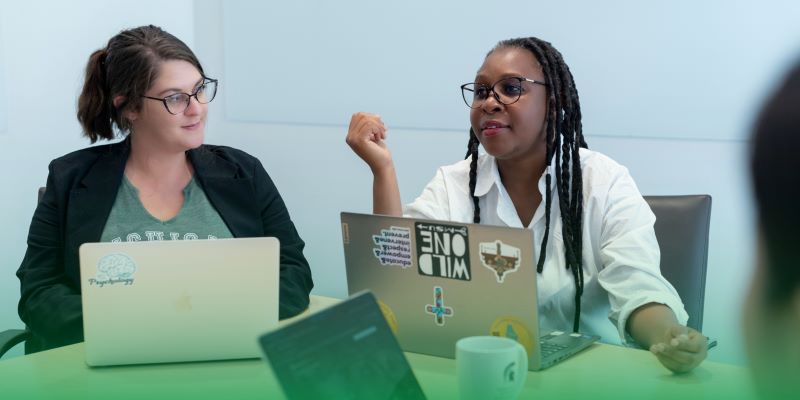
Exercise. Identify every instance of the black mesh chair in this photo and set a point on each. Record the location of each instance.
(12, 337)
(682, 224)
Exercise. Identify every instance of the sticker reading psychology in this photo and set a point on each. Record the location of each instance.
(113, 269)
(394, 246)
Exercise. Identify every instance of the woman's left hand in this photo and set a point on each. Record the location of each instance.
(682, 349)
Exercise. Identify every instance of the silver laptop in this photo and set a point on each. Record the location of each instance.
(175, 301)
(439, 281)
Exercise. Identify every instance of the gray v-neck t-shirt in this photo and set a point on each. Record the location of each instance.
(129, 221)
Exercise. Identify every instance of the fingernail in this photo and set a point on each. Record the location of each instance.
(674, 342)
(659, 347)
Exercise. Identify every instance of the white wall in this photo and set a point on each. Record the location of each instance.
(666, 63)
(44, 47)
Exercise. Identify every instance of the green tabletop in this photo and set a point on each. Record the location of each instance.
(600, 372)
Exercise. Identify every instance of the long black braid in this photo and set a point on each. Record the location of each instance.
(564, 135)
(472, 150)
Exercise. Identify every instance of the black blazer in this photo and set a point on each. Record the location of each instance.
(81, 189)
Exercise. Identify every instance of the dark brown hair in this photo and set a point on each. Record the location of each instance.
(126, 67)
(564, 139)
(775, 169)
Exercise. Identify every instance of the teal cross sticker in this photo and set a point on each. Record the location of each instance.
(437, 309)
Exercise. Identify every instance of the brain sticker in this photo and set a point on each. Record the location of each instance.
(114, 268)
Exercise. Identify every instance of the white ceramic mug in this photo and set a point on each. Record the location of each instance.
(490, 368)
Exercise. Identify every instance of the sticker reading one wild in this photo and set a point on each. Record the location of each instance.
(443, 251)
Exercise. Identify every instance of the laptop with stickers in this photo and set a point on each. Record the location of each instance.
(439, 281)
(346, 351)
(175, 301)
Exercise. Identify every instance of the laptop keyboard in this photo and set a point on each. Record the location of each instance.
(548, 349)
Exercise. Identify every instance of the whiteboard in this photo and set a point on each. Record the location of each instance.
(682, 69)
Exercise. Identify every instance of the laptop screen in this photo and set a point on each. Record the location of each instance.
(344, 352)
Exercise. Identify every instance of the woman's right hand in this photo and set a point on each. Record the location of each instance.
(366, 137)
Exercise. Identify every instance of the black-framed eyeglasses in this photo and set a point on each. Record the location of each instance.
(506, 91)
(178, 103)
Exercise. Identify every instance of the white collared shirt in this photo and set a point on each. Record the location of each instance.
(620, 251)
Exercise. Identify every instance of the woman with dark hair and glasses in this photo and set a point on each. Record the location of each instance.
(159, 183)
(598, 260)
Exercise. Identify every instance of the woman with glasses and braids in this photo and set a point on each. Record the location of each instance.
(598, 259)
(159, 183)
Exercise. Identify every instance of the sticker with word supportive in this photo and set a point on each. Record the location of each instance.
(500, 257)
(443, 251)
(438, 309)
(113, 269)
(513, 328)
(394, 246)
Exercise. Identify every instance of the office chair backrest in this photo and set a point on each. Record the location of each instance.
(682, 224)
(12, 337)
